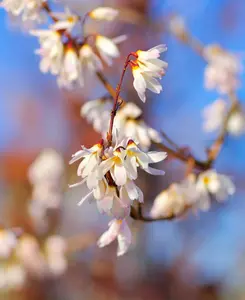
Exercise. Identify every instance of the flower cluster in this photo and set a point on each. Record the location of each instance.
(69, 58)
(29, 9)
(193, 193)
(215, 115)
(128, 121)
(147, 68)
(25, 257)
(110, 173)
(46, 175)
(222, 70)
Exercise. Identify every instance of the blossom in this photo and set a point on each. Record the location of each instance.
(215, 118)
(214, 115)
(66, 20)
(97, 112)
(51, 50)
(46, 175)
(118, 229)
(104, 13)
(129, 123)
(175, 200)
(136, 158)
(48, 167)
(218, 185)
(222, 70)
(91, 159)
(89, 59)
(70, 73)
(107, 47)
(177, 27)
(146, 69)
(30, 10)
(236, 123)
(55, 247)
(8, 242)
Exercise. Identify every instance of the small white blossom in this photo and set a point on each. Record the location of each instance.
(71, 72)
(214, 115)
(136, 158)
(118, 229)
(97, 112)
(146, 69)
(8, 242)
(29, 9)
(129, 123)
(51, 50)
(91, 159)
(107, 47)
(222, 70)
(177, 26)
(176, 199)
(89, 60)
(218, 185)
(15, 276)
(104, 13)
(236, 123)
(55, 247)
(66, 20)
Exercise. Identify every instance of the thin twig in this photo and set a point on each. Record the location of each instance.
(117, 101)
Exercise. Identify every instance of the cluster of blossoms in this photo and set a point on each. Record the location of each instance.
(222, 70)
(70, 58)
(194, 192)
(214, 118)
(24, 257)
(109, 174)
(46, 175)
(128, 121)
(28, 9)
(146, 69)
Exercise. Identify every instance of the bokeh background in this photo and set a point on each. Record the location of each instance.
(198, 257)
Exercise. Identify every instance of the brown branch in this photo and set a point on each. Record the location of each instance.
(137, 214)
(117, 101)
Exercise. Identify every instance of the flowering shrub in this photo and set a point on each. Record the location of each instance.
(110, 168)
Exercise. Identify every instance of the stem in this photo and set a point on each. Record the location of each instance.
(47, 8)
(117, 102)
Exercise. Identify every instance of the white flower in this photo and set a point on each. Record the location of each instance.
(136, 158)
(8, 242)
(15, 276)
(118, 229)
(67, 20)
(175, 200)
(55, 247)
(177, 26)
(71, 71)
(115, 163)
(89, 59)
(107, 48)
(29, 9)
(97, 112)
(51, 50)
(214, 115)
(236, 123)
(222, 70)
(48, 168)
(218, 185)
(129, 124)
(104, 13)
(146, 68)
(91, 159)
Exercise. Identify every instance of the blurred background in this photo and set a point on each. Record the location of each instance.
(198, 257)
